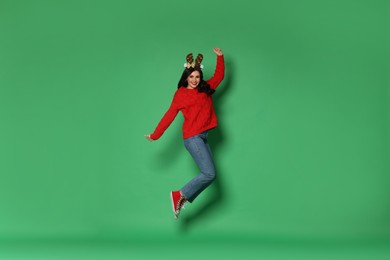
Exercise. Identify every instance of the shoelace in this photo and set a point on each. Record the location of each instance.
(181, 203)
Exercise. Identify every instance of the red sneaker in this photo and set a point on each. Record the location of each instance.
(178, 201)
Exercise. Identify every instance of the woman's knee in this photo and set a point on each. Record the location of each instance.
(210, 175)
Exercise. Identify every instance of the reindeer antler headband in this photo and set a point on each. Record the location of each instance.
(190, 61)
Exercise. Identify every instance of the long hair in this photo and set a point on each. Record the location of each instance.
(202, 86)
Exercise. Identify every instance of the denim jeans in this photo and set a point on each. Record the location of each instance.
(200, 151)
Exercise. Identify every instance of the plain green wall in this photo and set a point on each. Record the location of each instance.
(303, 144)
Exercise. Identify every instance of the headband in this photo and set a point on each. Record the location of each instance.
(190, 61)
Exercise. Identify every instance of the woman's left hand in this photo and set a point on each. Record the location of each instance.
(218, 51)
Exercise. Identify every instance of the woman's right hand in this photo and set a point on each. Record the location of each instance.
(148, 137)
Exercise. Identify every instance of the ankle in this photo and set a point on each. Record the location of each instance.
(182, 195)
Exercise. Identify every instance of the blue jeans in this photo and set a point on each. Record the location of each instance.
(200, 151)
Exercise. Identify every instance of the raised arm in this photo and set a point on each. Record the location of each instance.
(219, 72)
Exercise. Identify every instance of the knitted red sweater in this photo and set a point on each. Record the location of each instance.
(197, 107)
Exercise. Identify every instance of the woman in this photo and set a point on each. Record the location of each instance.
(193, 99)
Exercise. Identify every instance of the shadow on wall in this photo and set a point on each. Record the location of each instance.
(216, 139)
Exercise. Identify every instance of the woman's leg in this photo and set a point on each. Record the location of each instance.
(200, 151)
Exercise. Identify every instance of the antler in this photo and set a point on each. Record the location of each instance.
(198, 60)
(190, 59)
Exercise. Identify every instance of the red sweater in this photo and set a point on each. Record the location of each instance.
(197, 107)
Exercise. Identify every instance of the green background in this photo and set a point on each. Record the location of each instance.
(302, 149)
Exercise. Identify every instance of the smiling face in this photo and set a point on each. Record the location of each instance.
(193, 79)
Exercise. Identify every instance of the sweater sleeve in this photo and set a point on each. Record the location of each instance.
(219, 73)
(166, 120)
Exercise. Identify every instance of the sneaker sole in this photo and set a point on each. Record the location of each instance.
(173, 207)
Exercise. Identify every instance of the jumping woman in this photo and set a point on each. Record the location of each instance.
(194, 99)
